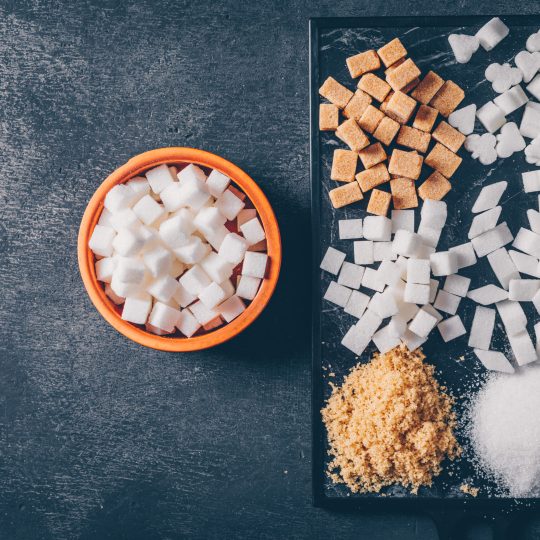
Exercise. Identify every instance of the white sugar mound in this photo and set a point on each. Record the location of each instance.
(505, 430)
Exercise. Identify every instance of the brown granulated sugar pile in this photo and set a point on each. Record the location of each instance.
(389, 423)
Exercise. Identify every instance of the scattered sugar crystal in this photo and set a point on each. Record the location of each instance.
(377, 228)
(351, 275)
(402, 220)
(482, 328)
(489, 197)
(357, 304)
(332, 260)
(337, 294)
(350, 229)
(494, 361)
(456, 284)
(451, 328)
(491, 240)
(484, 222)
(488, 294)
(363, 252)
(523, 290)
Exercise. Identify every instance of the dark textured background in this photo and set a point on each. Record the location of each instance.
(100, 438)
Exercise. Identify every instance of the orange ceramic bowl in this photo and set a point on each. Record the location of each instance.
(179, 156)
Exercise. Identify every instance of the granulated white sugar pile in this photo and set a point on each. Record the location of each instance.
(505, 430)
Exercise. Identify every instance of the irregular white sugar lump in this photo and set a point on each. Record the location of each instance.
(523, 290)
(113, 296)
(525, 264)
(528, 64)
(482, 147)
(503, 76)
(187, 323)
(208, 219)
(523, 348)
(351, 275)
(203, 314)
(389, 273)
(102, 240)
(130, 270)
(148, 210)
(423, 323)
(530, 121)
(105, 268)
(377, 228)
(433, 286)
(231, 308)
(528, 242)
(384, 340)
(492, 33)
(512, 316)
(489, 197)
(406, 243)
(357, 304)
(416, 294)
(482, 328)
(137, 308)
(447, 302)
(248, 287)
(163, 288)
(456, 284)
(217, 183)
(195, 280)
(491, 240)
(383, 251)
(119, 197)
(255, 264)
(491, 117)
(484, 222)
(511, 100)
(465, 255)
(412, 341)
(363, 252)
(350, 229)
(216, 267)
(531, 181)
(488, 294)
(534, 220)
(159, 178)
(383, 304)
(229, 204)
(463, 119)
(503, 267)
(418, 271)
(372, 280)
(125, 218)
(158, 261)
(163, 317)
(509, 140)
(332, 261)
(494, 361)
(183, 297)
(402, 219)
(233, 249)
(128, 243)
(444, 263)
(429, 235)
(433, 214)
(253, 231)
(534, 87)
(451, 328)
(463, 46)
(212, 295)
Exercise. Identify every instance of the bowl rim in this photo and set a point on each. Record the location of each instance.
(134, 167)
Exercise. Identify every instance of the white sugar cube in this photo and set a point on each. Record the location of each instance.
(228, 287)
(456, 284)
(193, 193)
(139, 185)
(432, 311)
(113, 296)
(163, 317)
(512, 316)
(351, 275)
(451, 328)
(215, 239)
(482, 328)
(494, 361)
(158, 260)
(192, 252)
(212, 295)
(528, 242)
(191, 174)
(248, 287)
(416, 294)
(491, 240)
(534, 86)
(434, 213)
(383, 304)
(418, 271)
(465, 255)
(389, 273)
(137, 308)
(492, 33)
(429, 235)
(401, 263)
(534, 220)
(383, 251)
(350, 229)
(384, 340)
(128, 242)
(233, 249)
(363, 252)
(105, 219)
(119, 197)
(491, 117)
(187, 323)
(253, 231)
(488, 294)
(217, 183)
(123, 289)
(171, 232)
(172, 197)
(530, 121)
(159, 178)
(130, 270)
(444, 263)
(229, 204)
(525, 264)
(245, 215)
(406, 243)
(511, 100)
(162, 288)
(337, 294)
(332, 261)
(355, 340)
(231, 308)
(412, 341)
(203, 314)
(425, 251)
(503, 266)
(148, 210)
(208, 219)
(254, 264)
(183, 297)
(125, 218)
(369, 323)
(195, 280)
(155, 330)
(447, 302)
(402, 219)
(377, 228)
(423, 323)
(433, 286)
(372, 280)
(102, 240)
(185, 222)
(216, 267)
(357, 304)
(531, 181)
(523, 290)
(397, 325)
(484, 222)
(523, 348)
(105, 268)
(489, 197)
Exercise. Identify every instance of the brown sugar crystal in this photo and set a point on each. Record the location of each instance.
(370, 119)
(413, 138)
(363, 63)
(344, 165)
(425, 118)
(356, 107)
(372, 155)
(346, 194)
(328, 117)
(400, 107)
(403, 193)
(435, 187)
(392, 52)
(427, 88)
(374, 86)
(373, 177)
(402, 75)
(386, 130)
(379, 202)
(405, 164)
(447, 98)
(443, 160)
(335, 93)
(352, 135)
(449, 136)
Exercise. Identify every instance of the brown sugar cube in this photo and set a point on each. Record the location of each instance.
(363, 63)
(372, 155)
(344, 165)
(386, 130)
(379, 202)
(425, 118)
(328, 117)
(427, 88)
(392, 52)
(435, 187)
(447, 98)
(394, 66)
(413, 138)
(356, 107)
(443, 160)
(370, 119)
(403, 193)
(373, 177)
(346, 194)
(335, 92)
(401, 76)
(351, 134)
(384, 104)
(449, 136)
(411, 86)
(374, 86)
(400, 107)
(405, 164)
